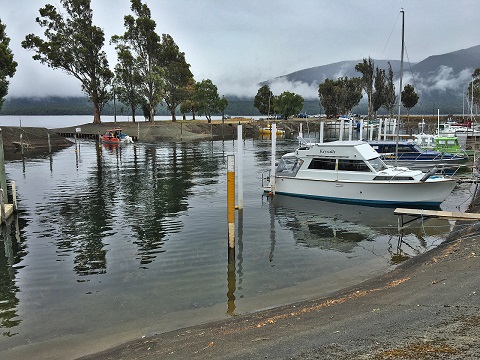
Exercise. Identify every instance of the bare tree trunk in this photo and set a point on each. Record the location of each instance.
(96, 113)
(133, 113)
(152, 114)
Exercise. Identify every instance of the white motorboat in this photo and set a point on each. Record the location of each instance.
(352, 172)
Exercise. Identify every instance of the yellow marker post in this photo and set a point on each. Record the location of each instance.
(231, 200)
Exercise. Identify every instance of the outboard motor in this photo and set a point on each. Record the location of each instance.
(428, 174)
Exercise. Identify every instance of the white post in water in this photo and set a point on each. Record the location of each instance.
(371, 132)
(350, 129)
(322, 124)
(394, 126)
(438, 122)
(272, 169)
(385, 130)
(380, 122)
(360, 133)
(342, 125)
(14, 195)
(300, 132)
(240, 166)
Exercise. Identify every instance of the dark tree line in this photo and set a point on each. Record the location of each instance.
(342, 95)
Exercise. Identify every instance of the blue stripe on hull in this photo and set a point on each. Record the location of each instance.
(363, 202)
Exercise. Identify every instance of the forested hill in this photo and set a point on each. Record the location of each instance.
(81, 106)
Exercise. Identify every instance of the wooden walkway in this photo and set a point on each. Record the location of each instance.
(420, 213)
(87, 136)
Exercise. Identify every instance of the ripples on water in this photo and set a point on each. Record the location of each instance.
(134, 239)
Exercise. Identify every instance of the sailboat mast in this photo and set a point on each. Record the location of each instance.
(400, 89)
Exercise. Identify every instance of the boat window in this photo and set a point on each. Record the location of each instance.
(289, 166)
(403, 149)
(377, 164)
(388, 178)
(322, 164)
(352, 165)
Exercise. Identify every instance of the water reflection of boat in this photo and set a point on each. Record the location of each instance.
(341, 227)
(116, 136)
(352, 171)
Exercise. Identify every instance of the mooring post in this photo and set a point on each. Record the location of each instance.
(2, 207)
(21, 143)
(350, 129)
(14, 196)
(240, 166)
(322, 125)
(360, 133)
(231, 200)
(379, 135)
(273, 133)
(49, 144)
(342, 125)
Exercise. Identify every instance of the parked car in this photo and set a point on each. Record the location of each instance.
(303, 115)
(275, 116)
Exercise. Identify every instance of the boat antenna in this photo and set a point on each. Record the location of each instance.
(400, 89)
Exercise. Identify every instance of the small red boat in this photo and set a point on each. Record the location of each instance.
(115, 136)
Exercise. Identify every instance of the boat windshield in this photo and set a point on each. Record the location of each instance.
(377, 164)
(288, 166)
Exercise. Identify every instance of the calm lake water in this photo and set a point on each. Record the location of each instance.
(111, 244)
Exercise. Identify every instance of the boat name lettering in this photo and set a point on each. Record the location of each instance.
(323, 151)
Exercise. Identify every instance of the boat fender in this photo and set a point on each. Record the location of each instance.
(428, 174)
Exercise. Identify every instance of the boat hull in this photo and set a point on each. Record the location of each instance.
(430, 193)
(110, 141)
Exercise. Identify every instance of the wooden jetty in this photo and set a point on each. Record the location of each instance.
(80, 135)
(421, 213)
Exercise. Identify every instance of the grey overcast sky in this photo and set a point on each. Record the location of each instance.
(239, 43)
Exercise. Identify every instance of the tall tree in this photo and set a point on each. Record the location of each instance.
(74, 45)
(366, 68)
(127, 80)
(409, 98)
(390, 96)
(7, 65)
(328, 97)
(349, 93)
(340, 96)
(145, 44)
(207, 98)
(288, 104)
(189, 104)
(378, 96)
(264, 101)
(177, 74)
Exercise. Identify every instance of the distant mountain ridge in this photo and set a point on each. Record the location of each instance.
(440, 80)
